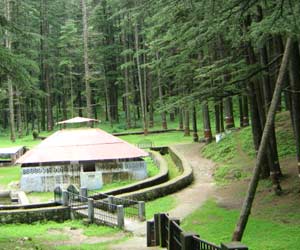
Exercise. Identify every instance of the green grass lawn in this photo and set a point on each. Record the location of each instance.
(36, 236)
(162, 139)
(8, 175)
(173, 169)
(160, 205)
(216, 225)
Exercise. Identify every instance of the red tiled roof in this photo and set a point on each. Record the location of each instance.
(81, 145)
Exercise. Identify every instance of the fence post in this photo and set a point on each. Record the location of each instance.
(151, 234)
(142, 211)
(157, 229)
(120, 213)
(110, 201)
(170, 233)
(83, 193)
(163, 223)
(65, 198)
(187, 241)
(91, 209)
(235, 245)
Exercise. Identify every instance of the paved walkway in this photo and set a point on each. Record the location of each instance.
(188, 199)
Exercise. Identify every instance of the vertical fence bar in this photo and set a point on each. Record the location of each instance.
(163, 223)
(120, 213)
(91, 213)
(110, 200)
(157, 229)
(171, 232)
(150, 234)
(187, 240)
(142, 211)
(83, 193)
(65, 198)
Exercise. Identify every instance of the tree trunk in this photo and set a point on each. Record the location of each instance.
(217, 117)
(9, 82)
(195, 130)
(206, 123)
(127, 91)
(186, 122)
(160, 93)
(144, 115)
(228, 107)
(19, 114)
(247, 205)
(180, 115)
(241, 110)
(294, 72)
(267, 91)
(88, 91)
(245, 111)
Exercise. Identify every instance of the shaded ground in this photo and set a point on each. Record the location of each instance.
(231, 196)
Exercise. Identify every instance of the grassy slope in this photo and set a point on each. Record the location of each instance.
(216, 224)
(275, 221)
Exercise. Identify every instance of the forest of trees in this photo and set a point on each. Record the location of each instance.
(130, 60)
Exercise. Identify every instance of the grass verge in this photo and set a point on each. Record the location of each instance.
(216, 224)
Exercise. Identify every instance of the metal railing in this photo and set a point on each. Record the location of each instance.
(76, 201)
(166, 232)
(107, 210)
(106, 213)
(131, 207)
(200, 244)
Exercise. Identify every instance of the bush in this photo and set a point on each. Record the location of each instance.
(35, 134)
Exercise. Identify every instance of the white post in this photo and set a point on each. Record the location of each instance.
(83, 193)
(142, 211)
(65, 198)
(91, 209)
(120, 213)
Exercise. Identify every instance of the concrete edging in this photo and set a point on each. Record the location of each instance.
(168, 187)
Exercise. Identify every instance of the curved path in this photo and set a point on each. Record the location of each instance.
(188, 199)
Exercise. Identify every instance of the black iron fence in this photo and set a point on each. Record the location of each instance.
(131, 207)
(105, 213)
(166, 232)
(76, 201)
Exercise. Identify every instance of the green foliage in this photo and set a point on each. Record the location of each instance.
(216, 224)
(35, 134)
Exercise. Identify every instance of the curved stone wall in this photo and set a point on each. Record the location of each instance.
(161, 177)
(168, 187)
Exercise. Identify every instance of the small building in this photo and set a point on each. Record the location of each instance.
(85, 157)
(9, 156)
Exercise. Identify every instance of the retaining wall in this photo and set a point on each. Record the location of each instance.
(29, 216)
(161, 177)
(168, 187)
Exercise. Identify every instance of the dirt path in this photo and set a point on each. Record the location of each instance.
(188, 199)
